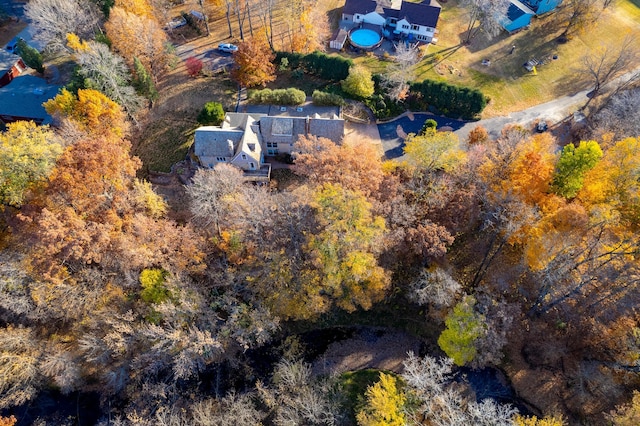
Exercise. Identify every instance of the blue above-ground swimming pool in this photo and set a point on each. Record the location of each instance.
(365, 38)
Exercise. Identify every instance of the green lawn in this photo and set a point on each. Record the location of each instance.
(163, 143)
(505, 81)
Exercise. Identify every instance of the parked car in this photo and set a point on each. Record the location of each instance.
(227, 48)
(12, 46)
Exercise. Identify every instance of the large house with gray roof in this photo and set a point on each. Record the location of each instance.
(411, 21)
(244, 139)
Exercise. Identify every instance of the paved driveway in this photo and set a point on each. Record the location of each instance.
(394, 133)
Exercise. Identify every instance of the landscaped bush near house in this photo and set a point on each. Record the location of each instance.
(326, 99)
(289, 96)
(429, 123)
(332, 68)
(448, 99)
(212, 114)
(31, 57)
(383, 107)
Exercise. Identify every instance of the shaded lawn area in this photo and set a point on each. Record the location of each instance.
(166, 133)
(163, 143)
(306, 82)
(509, 85)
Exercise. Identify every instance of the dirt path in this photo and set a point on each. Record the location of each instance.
(370, 347)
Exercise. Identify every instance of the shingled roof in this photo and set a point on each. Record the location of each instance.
(22, 99)
(363, 7)
(426, 13)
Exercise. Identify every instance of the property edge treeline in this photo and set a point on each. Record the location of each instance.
(445, 98)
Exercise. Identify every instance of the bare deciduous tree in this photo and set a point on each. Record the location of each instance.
(486, 13)
(395, 79)
(210, 193)
(54, 19)
(434, 287)
(608, 62)
(621, 115)
(234, 409)
(109, 73)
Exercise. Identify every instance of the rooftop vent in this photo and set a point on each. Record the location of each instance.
(283, 108)
(299, 109)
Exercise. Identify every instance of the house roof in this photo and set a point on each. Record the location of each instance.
(288, 129)
(351, 7)
(212, 141)
(24, 96)
(307, 109)
(426, 13)
(237, 133)
(7, 60)
(518, 9)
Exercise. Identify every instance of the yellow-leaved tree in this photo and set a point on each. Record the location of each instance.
(27, 155)
(384, 404)
(91, 111)
(434, 151)
(138, 36)
(344, 250)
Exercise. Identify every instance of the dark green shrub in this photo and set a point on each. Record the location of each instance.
(143, 82)
(102, 38)
(326, 99)
(31, 57)
(289, 96)
(212, 114)
(332, 68)
(447, 99)
(430, 123)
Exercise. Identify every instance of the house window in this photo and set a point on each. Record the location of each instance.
(393, 21)
(252, 166)
(272, 152)
(220, 159)
(415, 28)
(275, 144)
(244, 157)
(405, 26)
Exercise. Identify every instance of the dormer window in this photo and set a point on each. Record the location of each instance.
(283, 108)
(252, 147)
(244, 156)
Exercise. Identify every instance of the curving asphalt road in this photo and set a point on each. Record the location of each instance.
(393, 133)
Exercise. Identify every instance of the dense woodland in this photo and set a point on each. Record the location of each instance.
(515, 253)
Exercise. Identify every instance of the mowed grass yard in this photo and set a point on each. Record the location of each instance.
(506, 81)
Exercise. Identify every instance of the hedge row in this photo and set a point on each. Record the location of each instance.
(332, 68)
(327, 99)
(289, 96)
(452, 101)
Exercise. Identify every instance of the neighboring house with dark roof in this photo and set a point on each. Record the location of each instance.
(413, 21)
(22, 100)
(11, 66)
(517, 17)
(243, 139)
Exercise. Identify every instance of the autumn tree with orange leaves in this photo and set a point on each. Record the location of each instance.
(254, 63)
(135, 33)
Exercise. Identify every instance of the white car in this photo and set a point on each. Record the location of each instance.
(227, 48)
